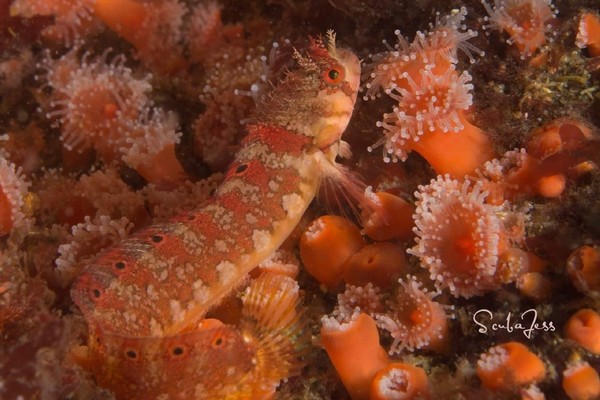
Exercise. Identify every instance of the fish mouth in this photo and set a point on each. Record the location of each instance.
(351, 64)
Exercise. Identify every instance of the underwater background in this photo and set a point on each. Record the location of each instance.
(475, 134)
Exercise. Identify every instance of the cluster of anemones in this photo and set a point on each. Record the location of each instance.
(153, 28)
(512, 367)
(73, 19)
(352, 344)
(432, 99)
(170, 35)
(102, 105)
(544, 166)
(333, 250)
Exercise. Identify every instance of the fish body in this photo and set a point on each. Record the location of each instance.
(216, 362)
(163, 279)
(153, 289)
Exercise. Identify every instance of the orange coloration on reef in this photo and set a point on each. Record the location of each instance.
(514, 263)
(535, 286)
(581, 381)
(326, 245)
(354, 299)
(205, 31)
(379, 263)
(13, 191)
(583, 267)
(526, 21)
(161, 167)
(101, 193)
(459, 154)
(24, 146)
(75, 210)
(229, 311)
(125, 17)
(588, 35)
(511, 177)
(282, 262)
(209, 323)
(390, 219)
(552, 185)
(6, 222)
(509, 365)
(72, 18)
(400, 381)
(414, 320)
(562, 134)
(532, 392)
(551, 145)
(153, 28)
(583, 327)
(354, 350)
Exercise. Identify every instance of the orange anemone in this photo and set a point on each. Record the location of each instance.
(390, 219)
(581, 381)
(400, 381)
(588, 34)
(379, 263)
(509, 365)
(415, 320)
(526, 21)
(326, 245)
(584, 328)
(583, 267)
(354, 350)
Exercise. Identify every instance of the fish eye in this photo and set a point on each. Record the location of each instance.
(177, 350)
(96, 293)
(334, 75)
(120, 265)
(131, 354)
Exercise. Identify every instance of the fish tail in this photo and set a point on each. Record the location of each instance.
(273, 318)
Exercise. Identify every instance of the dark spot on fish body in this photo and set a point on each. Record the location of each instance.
(96, 293)
(178, 350)
(131, 354)
(217, 342)
(156, 238)
(120, 265)
(241, 168)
